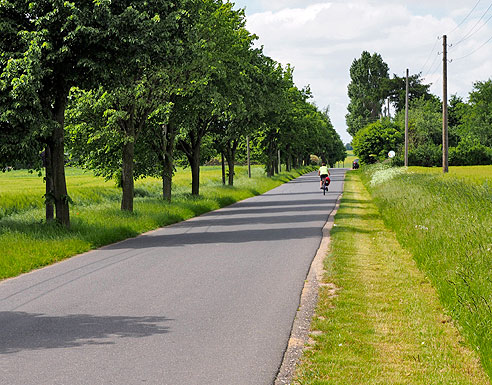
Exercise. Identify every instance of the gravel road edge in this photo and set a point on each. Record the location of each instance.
(302, 323)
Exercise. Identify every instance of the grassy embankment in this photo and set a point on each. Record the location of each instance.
(26, 242)
(383, 322)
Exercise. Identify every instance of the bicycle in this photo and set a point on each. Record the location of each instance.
(326, 183)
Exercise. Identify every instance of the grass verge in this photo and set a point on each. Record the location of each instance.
(378, 319)
(445, 221)
(27, 242)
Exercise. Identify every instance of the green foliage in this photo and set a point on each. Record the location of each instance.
(372, 143)
(395, 90)
(93, 137)
(477, 120)
(366, 91)
(424, 133)
(470, 152)
(139, 77)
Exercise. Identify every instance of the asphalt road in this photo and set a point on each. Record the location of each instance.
(206, 301)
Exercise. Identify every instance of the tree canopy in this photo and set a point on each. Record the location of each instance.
(129, 83)
(366, 91)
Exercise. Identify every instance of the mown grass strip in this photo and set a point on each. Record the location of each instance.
(27, 243)
(378, 319)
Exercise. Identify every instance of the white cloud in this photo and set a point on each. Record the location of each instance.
(322, 38)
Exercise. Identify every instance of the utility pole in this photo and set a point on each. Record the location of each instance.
(444, 105)
(406, 122)
(249, 159)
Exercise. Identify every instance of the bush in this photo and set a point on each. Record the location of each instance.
(372, 143)
(427, 155)
(470, 152)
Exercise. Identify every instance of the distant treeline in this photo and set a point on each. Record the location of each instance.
(375, 132)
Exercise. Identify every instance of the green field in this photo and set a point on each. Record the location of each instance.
(471, 174)
(27, 242)
(348, 161)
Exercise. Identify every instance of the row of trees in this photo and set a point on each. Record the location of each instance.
(375, 132)
(121, 87)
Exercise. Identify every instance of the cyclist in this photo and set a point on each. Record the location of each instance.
(323, 172)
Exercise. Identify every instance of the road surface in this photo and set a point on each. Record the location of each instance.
(206, 301)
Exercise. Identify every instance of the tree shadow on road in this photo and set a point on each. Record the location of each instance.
(30, 331)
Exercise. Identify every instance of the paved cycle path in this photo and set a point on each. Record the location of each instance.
(206, 301)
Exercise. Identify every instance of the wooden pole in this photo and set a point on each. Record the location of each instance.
(444, 105)
(406, 121)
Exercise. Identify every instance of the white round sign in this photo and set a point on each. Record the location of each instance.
(391, 154)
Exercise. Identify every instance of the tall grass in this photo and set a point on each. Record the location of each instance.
(446, 223)
(27, 242)
(378, 320)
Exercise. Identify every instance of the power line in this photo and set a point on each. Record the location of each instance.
(470, 32)
(475, 50)
(430, 54)
(433, 66)
(466, 17)
(483, 25)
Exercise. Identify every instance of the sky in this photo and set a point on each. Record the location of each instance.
(320, 39)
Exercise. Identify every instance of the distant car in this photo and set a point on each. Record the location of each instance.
(355, 164)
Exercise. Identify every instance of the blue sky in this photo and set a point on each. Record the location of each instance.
(322, 38)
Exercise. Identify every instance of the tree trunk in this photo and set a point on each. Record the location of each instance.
(127, 182)
(231, 158)
(48, 166)
(223, 168)
(269, 169)
(195, 170)
(167, 178)
(167, 160)
(58, 161)
(230, 165)
(192, 152)
(194, 159)
(288, 161)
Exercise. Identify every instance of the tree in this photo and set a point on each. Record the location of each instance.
(206, 108)
(372, 143)
(477, 120)
(366, 91)
(457, 109)
(333, 149)
(395, 90)
(246, 110)
(138, 98)
(280, 84)
(424, 132)
(54, 45)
